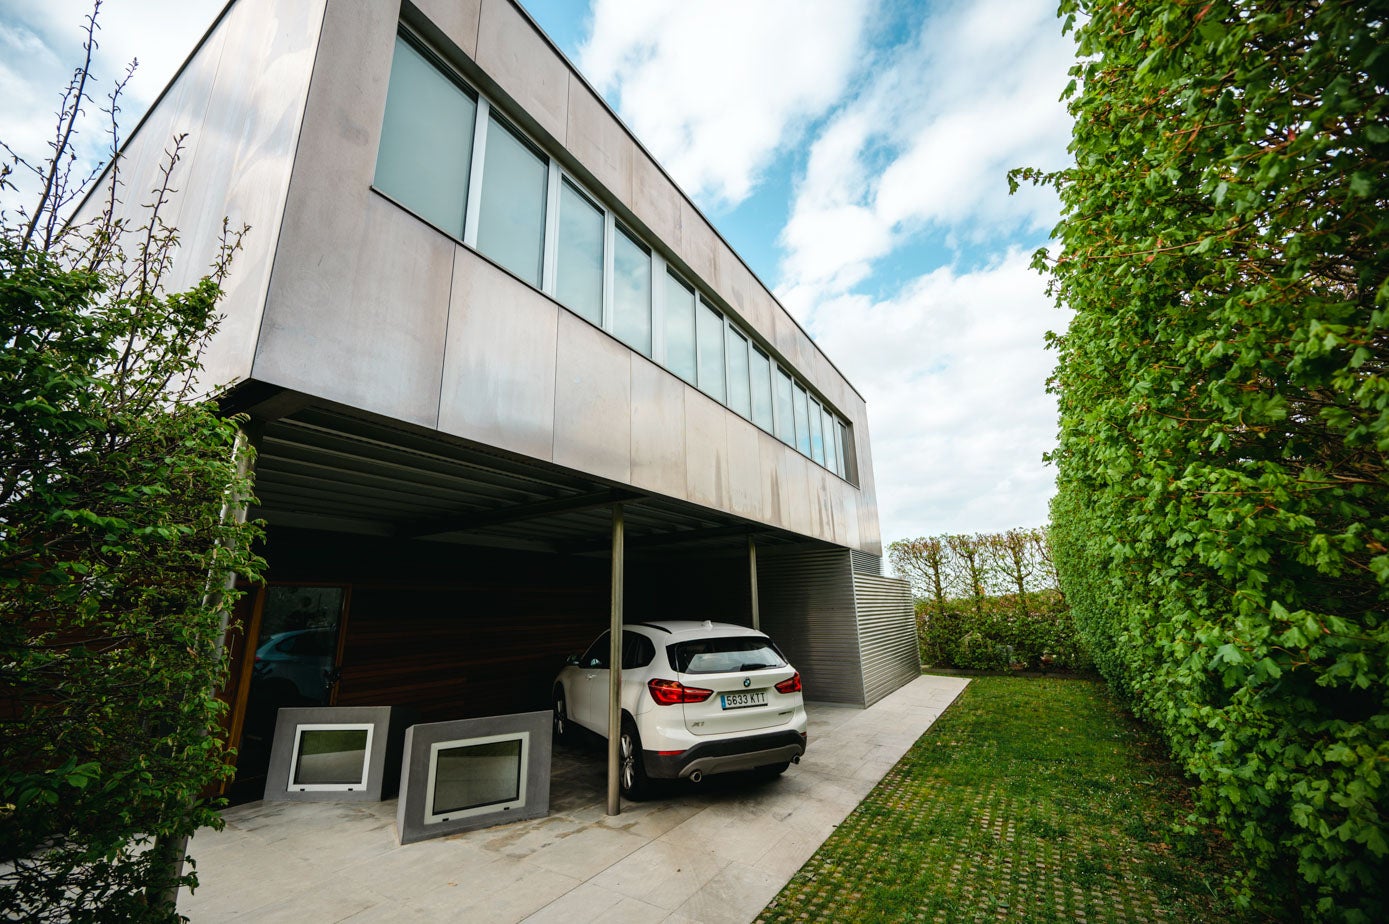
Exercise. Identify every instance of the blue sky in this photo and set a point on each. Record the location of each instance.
(854, 152)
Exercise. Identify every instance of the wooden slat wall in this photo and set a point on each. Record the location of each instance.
(453, 631)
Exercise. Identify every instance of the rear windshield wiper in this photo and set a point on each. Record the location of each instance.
(755, 667)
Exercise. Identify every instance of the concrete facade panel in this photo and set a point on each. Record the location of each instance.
(699, 246)
(744, 467)
(593, 401)
(374, 337)
(599, 142)
(499, 365)
(796, 488)
(658, 429)
(706, 449)
(519, 59)
(655, 200)
(457, 19)
(775, 466)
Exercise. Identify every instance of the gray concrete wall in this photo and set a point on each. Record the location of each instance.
(371, 307)
(239, 99)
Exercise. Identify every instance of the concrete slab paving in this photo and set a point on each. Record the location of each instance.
(712, 853)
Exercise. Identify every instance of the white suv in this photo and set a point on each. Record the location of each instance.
(697, 698)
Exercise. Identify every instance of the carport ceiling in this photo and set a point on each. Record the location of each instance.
(330, 468)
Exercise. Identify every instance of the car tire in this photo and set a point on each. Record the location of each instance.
(631, 772)
(563, 725)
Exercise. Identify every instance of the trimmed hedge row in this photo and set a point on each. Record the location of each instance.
(1221, 529)
(1002, 638)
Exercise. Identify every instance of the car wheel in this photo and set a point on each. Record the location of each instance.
(631, 769)
(563, 732)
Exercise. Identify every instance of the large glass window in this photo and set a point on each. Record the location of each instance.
(579, 263)
(739, 391)
(831, 454)
(511, 222)
(761, 381)
(709, 329)
(632, 293)
(817, 435)
(679, 329)
(426, 140)
(802, 420)
(785, 424)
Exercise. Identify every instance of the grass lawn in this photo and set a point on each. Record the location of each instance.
(1028, 800)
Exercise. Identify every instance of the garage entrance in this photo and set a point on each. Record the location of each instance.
(409, 570)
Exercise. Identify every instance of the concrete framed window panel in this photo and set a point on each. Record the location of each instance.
(336, 754)
(474, 776)
(473, 773)
(330, 757)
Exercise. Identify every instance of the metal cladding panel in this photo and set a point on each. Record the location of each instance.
(499, 366)
(239, 99)
(658, 429)
(593, 401)
(806, 602)
(516, 56)
(886, 634)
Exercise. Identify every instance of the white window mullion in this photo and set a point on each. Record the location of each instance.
(484, 116)
(609, 242)
(550, 260)
(658, 308)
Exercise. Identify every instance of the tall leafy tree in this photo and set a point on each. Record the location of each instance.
(1222, 525)
(117, 529)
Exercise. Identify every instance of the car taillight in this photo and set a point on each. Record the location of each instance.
(673, 692)
(791, 684)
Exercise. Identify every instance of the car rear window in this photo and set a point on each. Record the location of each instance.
(724, 655)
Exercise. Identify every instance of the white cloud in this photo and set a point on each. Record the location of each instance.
(42, 45)
(928, 142)
(954, 372)
(715, 88)
(953, 365)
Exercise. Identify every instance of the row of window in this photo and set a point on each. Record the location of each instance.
(441, 141)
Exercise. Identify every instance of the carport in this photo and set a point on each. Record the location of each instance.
(411, 524)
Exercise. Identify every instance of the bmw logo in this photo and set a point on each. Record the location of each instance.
(747, 681)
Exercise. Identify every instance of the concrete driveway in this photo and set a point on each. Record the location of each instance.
(711, 853)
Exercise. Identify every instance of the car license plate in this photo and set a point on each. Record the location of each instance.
(743, 700)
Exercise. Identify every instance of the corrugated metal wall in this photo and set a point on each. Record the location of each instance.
(887, 634)
(851, 634)
(806, 603)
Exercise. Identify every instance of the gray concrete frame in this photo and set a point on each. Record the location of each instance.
(383, 763)
(410, 813)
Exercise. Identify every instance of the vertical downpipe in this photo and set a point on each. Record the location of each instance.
(615, 666)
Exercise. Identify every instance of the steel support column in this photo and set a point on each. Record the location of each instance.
(752, 581)
(615, 667)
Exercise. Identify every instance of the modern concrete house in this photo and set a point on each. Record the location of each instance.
(488, 350)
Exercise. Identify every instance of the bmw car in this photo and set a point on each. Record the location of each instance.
(698, 698)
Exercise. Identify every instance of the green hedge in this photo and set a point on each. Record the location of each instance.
(1001, 638)
(1222, 524)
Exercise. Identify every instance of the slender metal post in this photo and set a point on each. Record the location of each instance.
(615, 667)
(752, 581)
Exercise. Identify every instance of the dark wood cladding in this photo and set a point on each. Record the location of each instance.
(458, 631)
(453, 631)
(465, 650)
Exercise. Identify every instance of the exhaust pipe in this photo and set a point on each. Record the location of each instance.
(696, 776)
(796, 759)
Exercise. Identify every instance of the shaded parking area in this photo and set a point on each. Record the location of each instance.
(717, 852)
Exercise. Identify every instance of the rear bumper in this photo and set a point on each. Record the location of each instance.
(727, 755)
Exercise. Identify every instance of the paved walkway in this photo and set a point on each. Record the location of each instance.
(712, 853)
